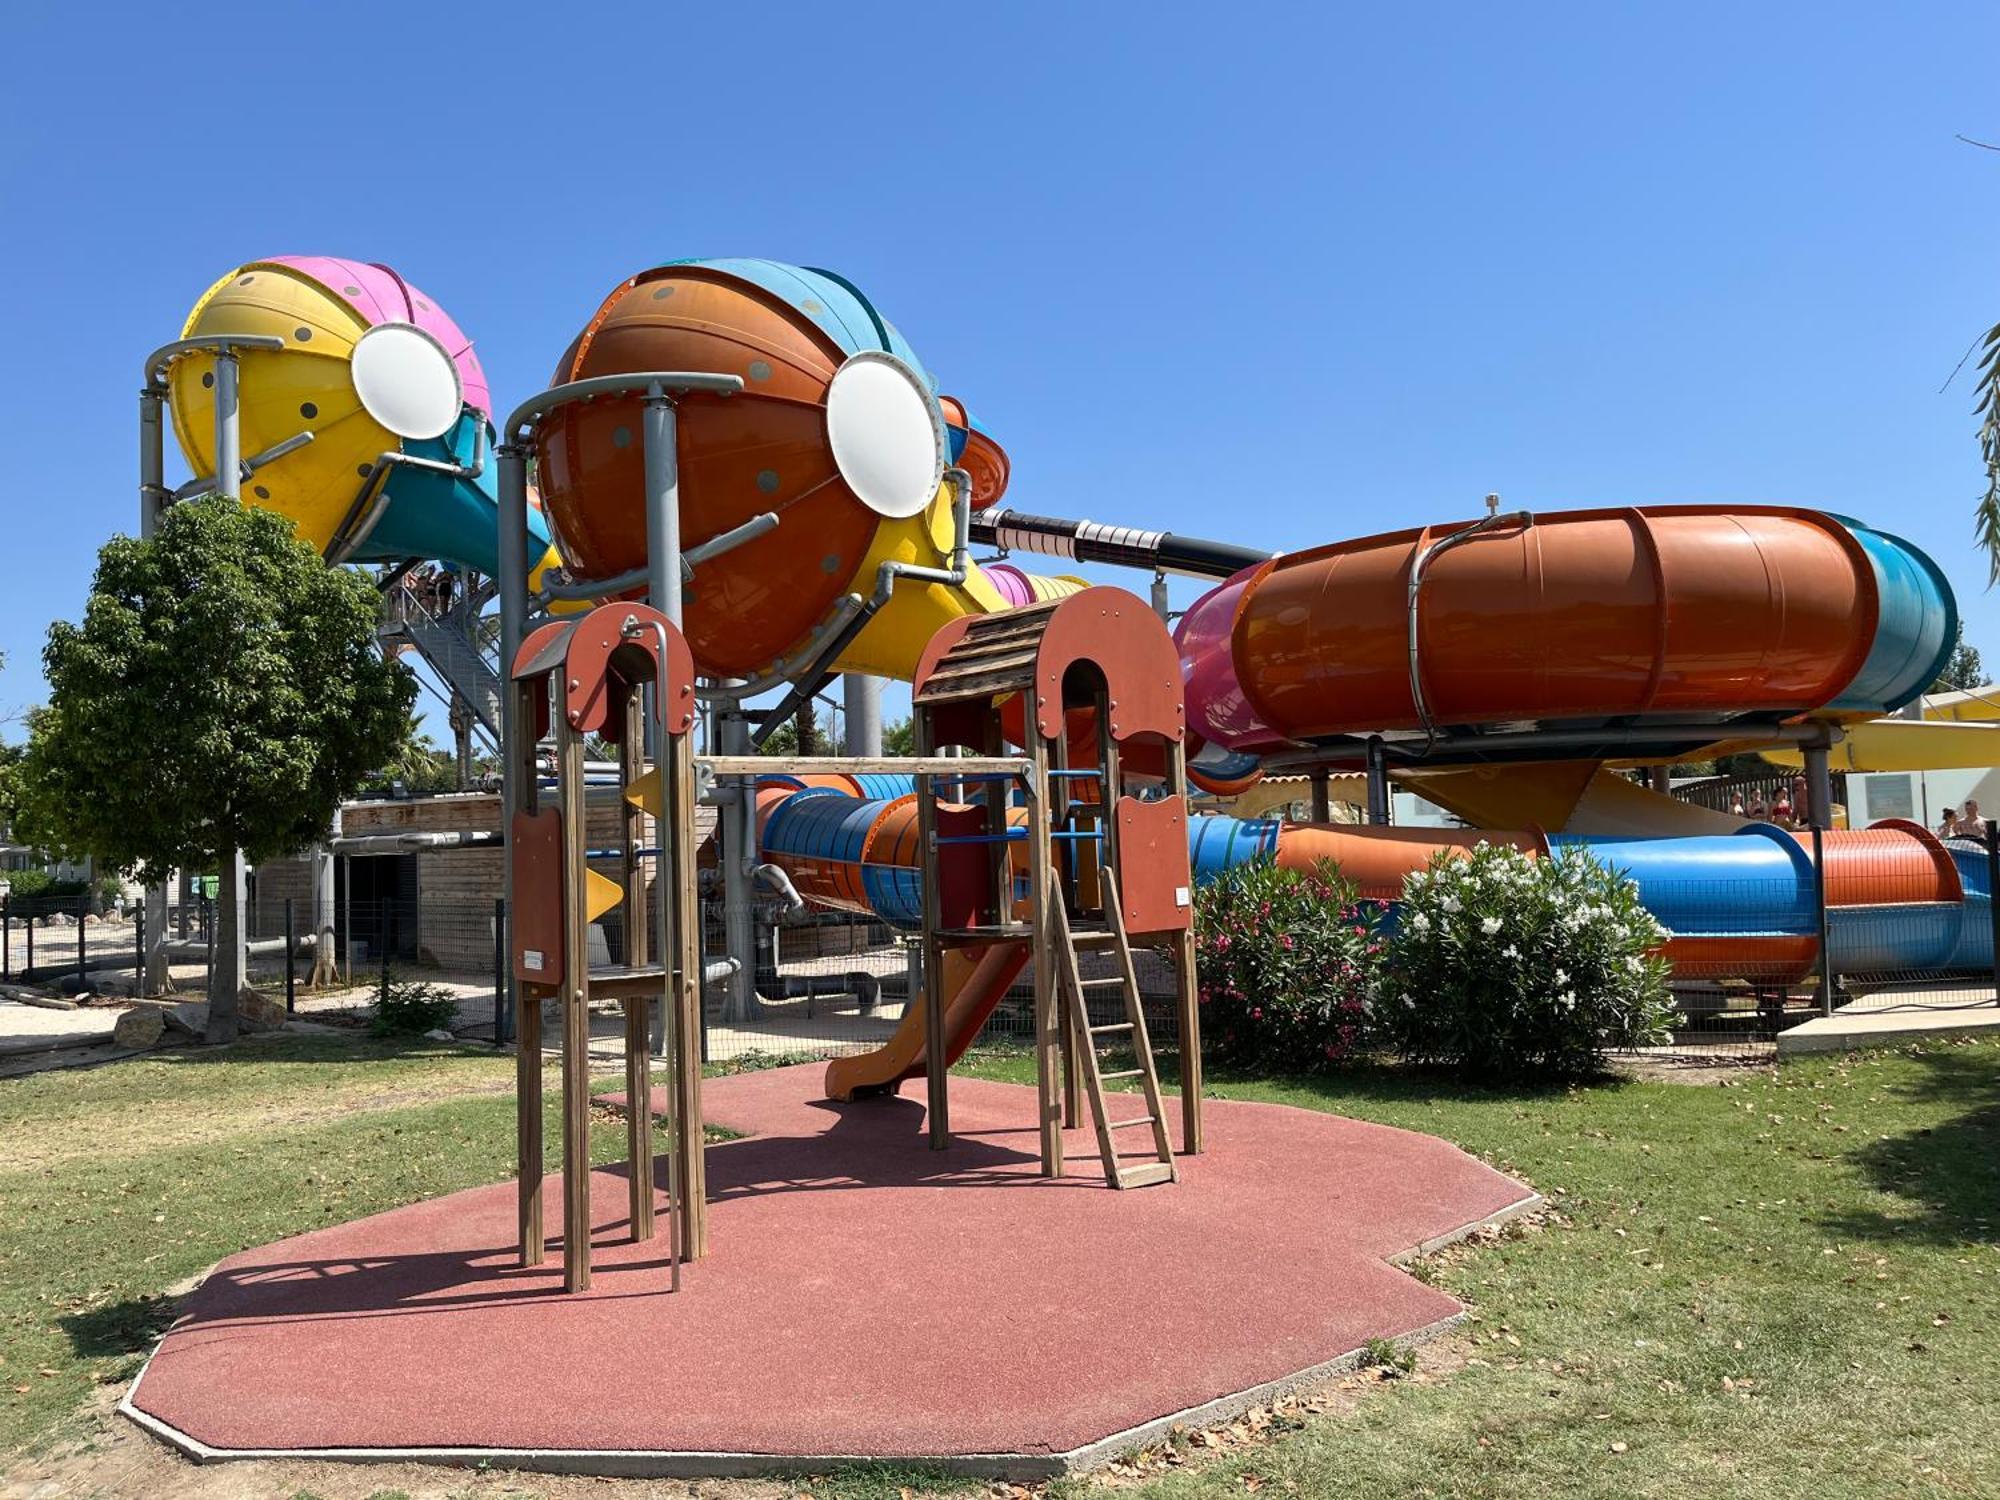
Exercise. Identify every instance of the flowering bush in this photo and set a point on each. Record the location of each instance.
(1286, 960)
(1508, 966)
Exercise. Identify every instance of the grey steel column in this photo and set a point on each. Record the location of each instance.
(1322, 807)
(663, 505)
(1378, 782)
(513, 581)
(234, 966)
(228, 440)
(736, 830)
(863, 699)
(152, 495)
(152, 460)
(1819, 786)
(1161, 607)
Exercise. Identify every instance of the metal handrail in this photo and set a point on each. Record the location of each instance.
(651, 383)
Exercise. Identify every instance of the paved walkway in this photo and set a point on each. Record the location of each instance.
(865, 1296)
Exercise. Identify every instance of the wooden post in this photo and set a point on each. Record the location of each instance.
(1186, 986)
(1063, 863)
(683, 960)
(576, 1009)
(1042, 890)
(937, 1086)
(528, 1117)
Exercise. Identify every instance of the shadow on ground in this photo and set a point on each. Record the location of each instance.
(1948, 1175)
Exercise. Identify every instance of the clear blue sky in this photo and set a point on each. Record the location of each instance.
(1280, 278)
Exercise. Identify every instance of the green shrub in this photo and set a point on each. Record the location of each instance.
(406, 1007)
(1505, 966)
(1286, 959)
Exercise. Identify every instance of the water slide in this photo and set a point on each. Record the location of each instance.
(1534, 649)
(370, 427)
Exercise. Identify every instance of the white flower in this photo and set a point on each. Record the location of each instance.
(1490, 926)
(1562, 976)
(1450, 903)
(1419, 922)
(1568, 998)
(1510, 951)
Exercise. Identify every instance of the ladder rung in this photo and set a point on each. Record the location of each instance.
(1121, 1073)
(1145, 1174)
(1093, 940)
(1135, 1120)
(1114, 1026)
(1112, 979)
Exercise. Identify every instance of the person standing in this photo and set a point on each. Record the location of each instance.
(1948, 825)
(1970, 824)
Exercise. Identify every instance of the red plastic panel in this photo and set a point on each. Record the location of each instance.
(1153, 880)
(534, 845)
(603, 659)
(1120, 635)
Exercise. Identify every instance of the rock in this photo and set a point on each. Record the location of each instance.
(439, 1034)
(140, 1027)
(256, 1011)
(190, 1018)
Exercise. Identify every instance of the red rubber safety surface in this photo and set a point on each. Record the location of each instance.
(863, 1295)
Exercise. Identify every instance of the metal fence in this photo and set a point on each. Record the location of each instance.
(1752, 961)
(1767, 963)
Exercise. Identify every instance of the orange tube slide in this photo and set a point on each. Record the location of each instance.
(1690, 610)
(1375, 860)
(975, 979)
(1888, 863)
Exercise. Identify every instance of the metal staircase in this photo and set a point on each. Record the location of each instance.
(446, 643)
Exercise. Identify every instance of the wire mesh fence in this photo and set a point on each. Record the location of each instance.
(1799, 933)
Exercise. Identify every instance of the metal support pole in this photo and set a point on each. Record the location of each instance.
(1993, 885)
(228, 436)
(31, 942)
(737, 835)
(1819, 908)
(152, 934)
(1161, 606)
(1322, 806)
(663, 505)
(501, 1031)
(1378, 782)
(138, 951)
(82, 961)
(291, 960)
(1819, 785)
(7, 939)
(863, 699)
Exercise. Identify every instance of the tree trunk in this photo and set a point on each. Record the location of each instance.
(226, 980)
(157, 979)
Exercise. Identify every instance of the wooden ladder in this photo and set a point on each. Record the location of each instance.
(1084, 1038)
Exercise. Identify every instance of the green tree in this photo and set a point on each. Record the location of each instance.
(224, 692)
(1962, 670)
(900, 738)
(416, 764)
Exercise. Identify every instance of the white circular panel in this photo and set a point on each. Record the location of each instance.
(406, 380)
(886, 432)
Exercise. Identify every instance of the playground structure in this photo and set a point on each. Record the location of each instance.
(744, 484)
(759, 454)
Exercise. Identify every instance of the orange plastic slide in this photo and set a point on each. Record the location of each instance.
(975, 978)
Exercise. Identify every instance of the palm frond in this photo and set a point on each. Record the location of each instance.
(1986, 519)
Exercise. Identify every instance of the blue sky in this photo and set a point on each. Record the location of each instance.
(1276, 276)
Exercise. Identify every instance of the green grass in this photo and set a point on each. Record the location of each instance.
(1826, 1241)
